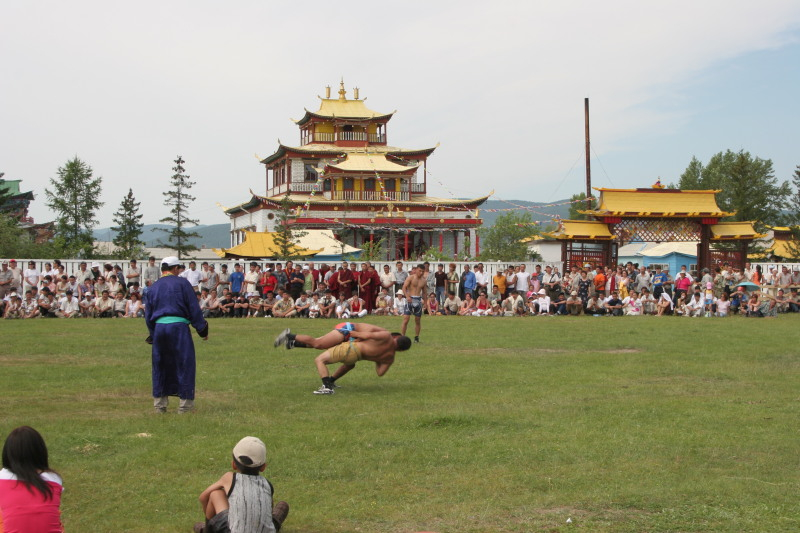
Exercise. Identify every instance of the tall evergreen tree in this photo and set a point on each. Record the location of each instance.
(128, 228)
(178, 200)
(286, 236)
(794, 215)
(747, 186)
(75, 198)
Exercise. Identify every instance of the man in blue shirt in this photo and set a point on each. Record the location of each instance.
(469, 281)
(658, 279)
(237, 278)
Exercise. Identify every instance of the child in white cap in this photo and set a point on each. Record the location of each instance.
(241, 501)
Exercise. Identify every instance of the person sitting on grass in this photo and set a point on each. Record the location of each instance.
(452, 303)
(432, 305)
(242, 500)
(284, 308)
(614, 304)
(467, 306)
(134, 307)
(383, 303)
(118, 305)
(595, 306)
(723, 305)
(574, 304)
(664, 304)
(30, 493)
(482, 307)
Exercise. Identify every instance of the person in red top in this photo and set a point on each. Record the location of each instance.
(30, 493)
(333, 284)
(268, 282)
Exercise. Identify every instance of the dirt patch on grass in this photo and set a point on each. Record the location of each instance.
(623, 350)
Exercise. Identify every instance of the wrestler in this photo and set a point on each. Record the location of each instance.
(415, 288)
(348, 344)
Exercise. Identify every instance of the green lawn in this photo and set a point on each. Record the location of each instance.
(509, 425)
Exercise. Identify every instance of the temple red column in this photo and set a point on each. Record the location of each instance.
(477, 244)
(371, 236)
(441, 241)
(405, 246)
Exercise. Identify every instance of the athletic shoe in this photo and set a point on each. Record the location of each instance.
(199, 527)
(324, 390)
(416, 339)
(281, 339)
(280, 512)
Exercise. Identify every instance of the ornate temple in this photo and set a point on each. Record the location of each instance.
(346, 177)
(657, 215)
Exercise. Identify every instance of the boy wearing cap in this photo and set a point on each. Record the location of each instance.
(241, 501)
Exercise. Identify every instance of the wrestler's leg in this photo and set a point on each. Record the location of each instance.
(322, 360)
(417, 325)
(405, 324)
(329, 340)
(342, 370)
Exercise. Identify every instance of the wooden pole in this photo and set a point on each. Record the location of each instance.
(588, 158)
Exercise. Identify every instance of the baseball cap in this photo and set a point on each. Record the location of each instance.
(12, 261)
(250, 452)
(171, 261)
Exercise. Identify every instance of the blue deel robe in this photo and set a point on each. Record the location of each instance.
(173, 348)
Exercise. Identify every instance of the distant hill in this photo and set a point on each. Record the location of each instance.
(213, 236)
(543, 214)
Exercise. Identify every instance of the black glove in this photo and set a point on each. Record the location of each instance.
(149, 339)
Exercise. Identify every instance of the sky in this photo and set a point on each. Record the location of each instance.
(501, 86)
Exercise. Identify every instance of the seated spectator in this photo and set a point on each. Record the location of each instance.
(648, 302)
(327, 304)
(284, 308)
(723, 305)
(302, 305)
(47, 304)
(30, 492)
(68, 307)
(468, 305)
(432, 305)
(88, 309)
(680, 308)
(104, 305)
(13, 308)
(400, 303)
(115, 287)
(781, 302)
(314, 308)
(574, 304)
(482, 307)
(119, 304)
(595, 306)
(614, 304)
(514, 305)
(134, 307)
(356, 308)
(739, 300)
(241, 306)
(254, 303)
(664, 305)
(242, 500)
(496, 297)
(560, 305)
(29, 308)
(383, 303)
(541, 305)
(451, 304)
(226, 303)
(631, 304)
(268, 304)
(342, 305)
(696, 306)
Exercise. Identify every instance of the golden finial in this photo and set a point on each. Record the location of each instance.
(355, 93)
(342, 92)
(327, 91)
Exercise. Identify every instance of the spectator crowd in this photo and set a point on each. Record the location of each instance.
(350, 289)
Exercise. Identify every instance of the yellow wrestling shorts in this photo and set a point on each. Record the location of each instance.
(346, 352)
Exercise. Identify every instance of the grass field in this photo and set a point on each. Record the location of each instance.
(490, 425)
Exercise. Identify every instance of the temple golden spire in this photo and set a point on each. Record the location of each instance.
(342, 92)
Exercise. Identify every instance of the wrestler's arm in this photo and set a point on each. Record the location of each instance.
(364, 327)
(380, 334)
(382, 368)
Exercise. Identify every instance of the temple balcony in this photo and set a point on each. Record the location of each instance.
(359, 136)
(375, 196)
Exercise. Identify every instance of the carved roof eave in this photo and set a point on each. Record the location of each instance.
(311, 115)
(282, 149)
(653, 214)
(258, 200)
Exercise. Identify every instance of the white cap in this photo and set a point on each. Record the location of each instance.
(542, 291)
(95, 265)
(250, 452)
(399, 293)
(171, 261)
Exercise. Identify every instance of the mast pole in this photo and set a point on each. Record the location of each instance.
(588, 159)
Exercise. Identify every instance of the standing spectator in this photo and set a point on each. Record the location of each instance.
(482, 279)
(281, 276)
(346, 281)
(212, 279)
(551, 282)
(16, 271)
(268, 282)
(387, 279)
(453, 280)
(223, 280)
(251, 281)
(237, 280)
(400, 277)
(151, 271)
(467, 282)
(170, 308)
(134, 275)
(296, 281)
(658, 279)
(6, 280)
(440, 284)
(499, 280)
(194, 276)
(30, 492)
(31, 276)
(522, 279)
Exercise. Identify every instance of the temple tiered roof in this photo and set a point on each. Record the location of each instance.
(657, 203)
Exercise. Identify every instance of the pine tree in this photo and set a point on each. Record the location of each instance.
(504, 241)
(578, 203)
(129, 228)
(178, 200)
(286, 236)
(794, 215)
(75, 200)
